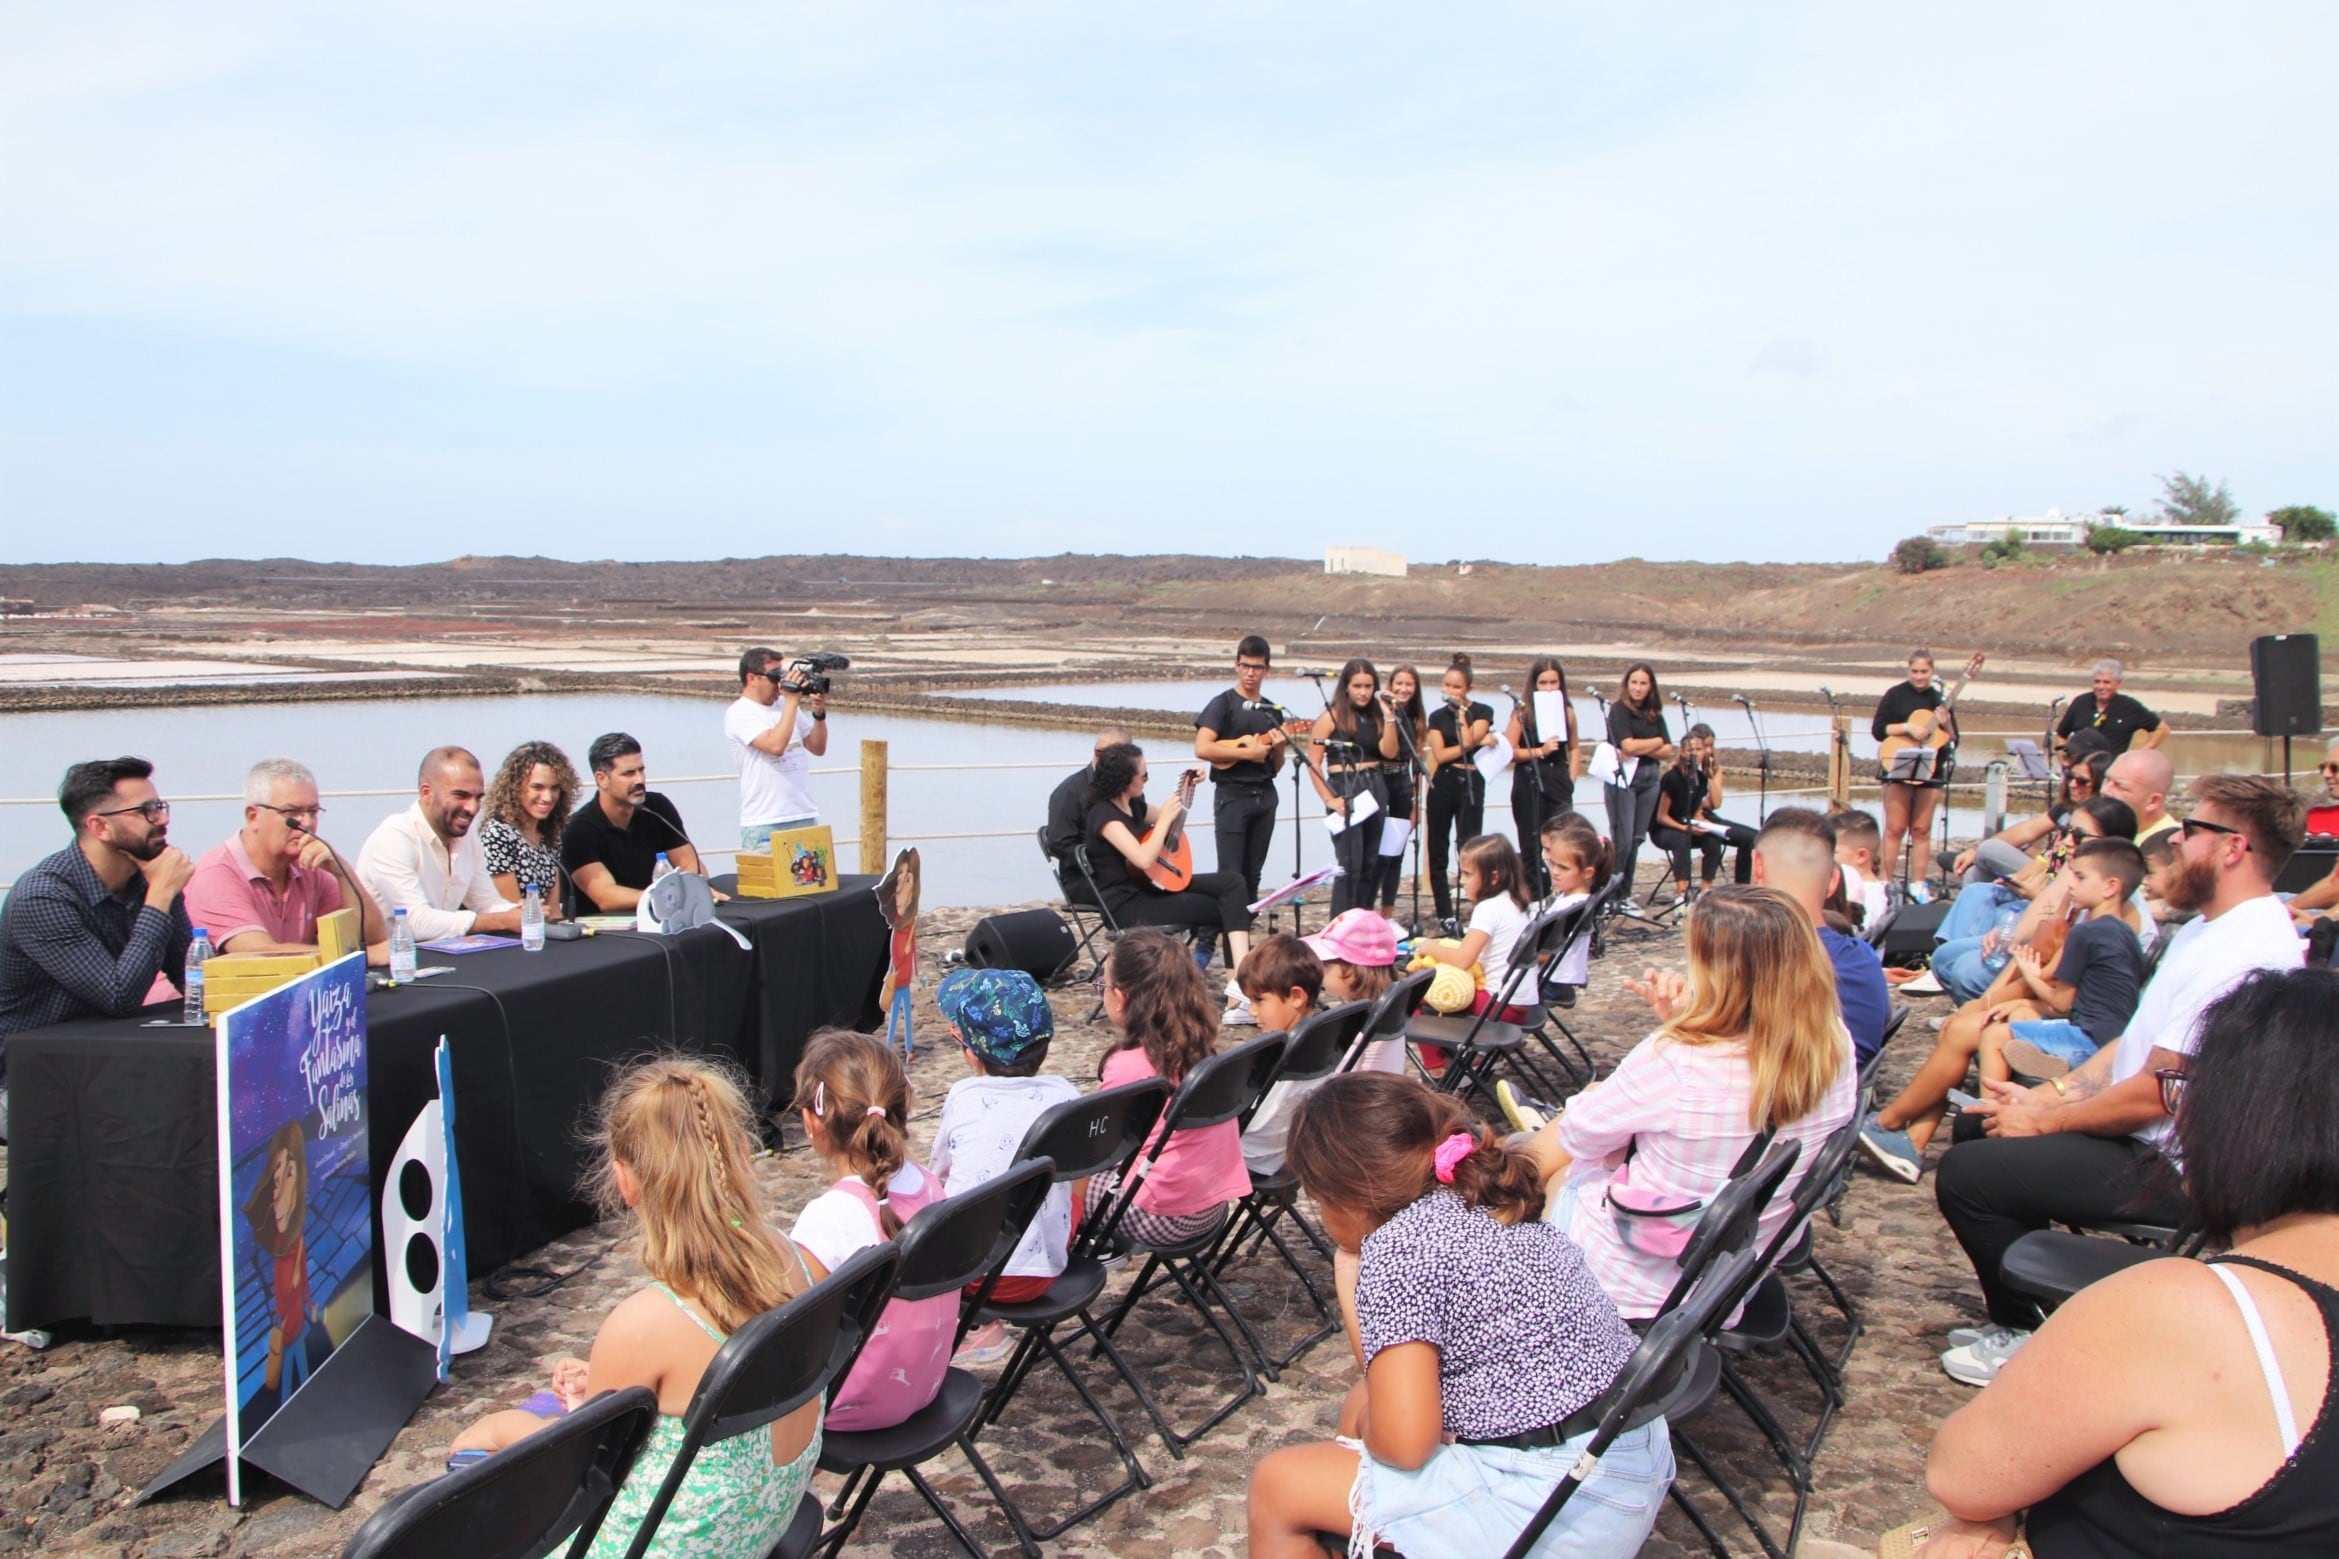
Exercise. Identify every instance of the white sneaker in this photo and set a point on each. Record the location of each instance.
(1965, 1336)
(1926, 984)
(1630, 906)
(1238, 1009)
(1979, 1361)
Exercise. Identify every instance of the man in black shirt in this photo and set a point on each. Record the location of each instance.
(611, 846)
(1068, 816)
(1243, 808)
(2121, 719)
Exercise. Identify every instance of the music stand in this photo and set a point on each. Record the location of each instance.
(2034, 766)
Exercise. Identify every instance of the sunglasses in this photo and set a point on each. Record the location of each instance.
(152, 811)
(2172, 1086)
(2331, 768)
(2201, 825)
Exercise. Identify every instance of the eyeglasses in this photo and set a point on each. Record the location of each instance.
(1250, 665)
(2172, 1086)
(2201, 825)
(292, 814)
(2331, 768)
(152, 811)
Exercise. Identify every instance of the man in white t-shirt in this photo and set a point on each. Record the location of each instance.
(775, 730)
(2086, 1147)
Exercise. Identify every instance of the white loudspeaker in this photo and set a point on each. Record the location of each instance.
(414, 1217)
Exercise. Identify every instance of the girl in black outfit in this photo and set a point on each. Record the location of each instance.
(1404, 795)
(1457, 791)
(1908, 809)
(1352, 741)
(1543, 779)
(1117, 817)
(1636, 728)
(1690, 790)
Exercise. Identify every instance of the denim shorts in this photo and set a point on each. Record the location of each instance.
(2058, 1037)
(1471, 1501)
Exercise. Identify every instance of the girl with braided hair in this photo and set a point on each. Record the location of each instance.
(1485, 1342)
(676, 1136)
(854, 1100)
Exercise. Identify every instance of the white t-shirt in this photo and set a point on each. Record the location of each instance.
(771, 790)
(983, 1122)
(1502, 920)
(836, 1226)
(2205, 959)
(1575, 961)
(1867, 892)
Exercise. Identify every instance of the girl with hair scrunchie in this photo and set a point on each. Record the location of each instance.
(1483, 1338)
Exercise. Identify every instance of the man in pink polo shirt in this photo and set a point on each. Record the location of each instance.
(263, 890)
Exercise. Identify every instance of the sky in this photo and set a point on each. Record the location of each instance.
(1542, 283)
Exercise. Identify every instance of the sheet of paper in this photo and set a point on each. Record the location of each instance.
(1606, 767)
(1550, 715)
(1494, 759)
(1361, 806)
(1396, 833)
(1297, 886)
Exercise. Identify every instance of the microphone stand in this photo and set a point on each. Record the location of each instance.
(1299, 834)
(1762, 746)
(1412, 752)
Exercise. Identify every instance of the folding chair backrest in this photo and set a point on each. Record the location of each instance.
(960, 1239)
(1318, 1044)
(776, 1363)
(1222, 1087)
(1539, 941)
(1055, 867)
(1097, 1131)
(1397, 1006)
(1817, 1188)
(1893, 1021)
(1729, 1223)
(524, 1501)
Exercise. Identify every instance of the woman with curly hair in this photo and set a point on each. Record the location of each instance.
(527, 806)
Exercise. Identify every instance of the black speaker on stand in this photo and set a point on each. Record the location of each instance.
(1037, 941)
(2286, 675)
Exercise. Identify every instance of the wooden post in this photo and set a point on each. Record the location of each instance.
(873, 807)
(1839, 764)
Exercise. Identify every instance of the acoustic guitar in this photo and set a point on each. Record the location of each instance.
(1172, 871)
(1928, 728)
(1257, 749)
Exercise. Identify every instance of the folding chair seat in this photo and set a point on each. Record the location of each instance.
(1221, 1089)
(1082, 1137)
(2049, 1265)
(1324, 1043)
(524, 1500)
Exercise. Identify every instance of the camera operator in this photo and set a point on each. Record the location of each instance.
(777, 727)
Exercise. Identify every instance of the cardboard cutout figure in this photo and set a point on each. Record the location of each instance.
(897, 901)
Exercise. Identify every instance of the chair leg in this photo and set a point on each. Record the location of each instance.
(1023, 1536)
(933, 1500)
(1729, 1492)
(1855, 1326)
(1135, 1476)
(834, 1538)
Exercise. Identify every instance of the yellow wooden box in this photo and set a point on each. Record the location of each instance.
(230, 979)
(800, 862)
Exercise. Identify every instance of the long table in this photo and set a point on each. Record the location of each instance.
(113, 1211)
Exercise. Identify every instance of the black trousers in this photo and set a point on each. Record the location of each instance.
(1535, 800)
(1242, 816)
(1993, 1191)
(1457, 815)
(1215, 902)
(1393, 866)
(1630, 811)
(1358, 847)
(1678, 842)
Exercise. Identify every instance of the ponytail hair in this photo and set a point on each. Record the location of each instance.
(859, 1097)
(1573, 832)
(1169, 1013)
(681, 1128)
(1498, 867)
(1369, 1142)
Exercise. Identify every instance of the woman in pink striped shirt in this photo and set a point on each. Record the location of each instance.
(1752, 1038)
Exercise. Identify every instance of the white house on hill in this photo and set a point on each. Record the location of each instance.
(1364, 560)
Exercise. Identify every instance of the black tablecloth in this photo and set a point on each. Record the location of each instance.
(112, 1172)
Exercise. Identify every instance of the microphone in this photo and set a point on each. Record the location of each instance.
(2056, 703)
(1741, 698)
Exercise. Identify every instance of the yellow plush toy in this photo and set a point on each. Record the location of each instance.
(1453, 988)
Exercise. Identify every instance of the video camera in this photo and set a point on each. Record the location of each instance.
(808, 674)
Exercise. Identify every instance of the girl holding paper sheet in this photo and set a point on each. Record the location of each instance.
(1352, 741)
(1543, 779)
(1404, 794)
(1457, 791)
(1636, 727)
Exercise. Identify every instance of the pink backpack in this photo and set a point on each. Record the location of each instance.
(901, 1367)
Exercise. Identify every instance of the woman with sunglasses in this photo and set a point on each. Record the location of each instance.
(2188, 1407)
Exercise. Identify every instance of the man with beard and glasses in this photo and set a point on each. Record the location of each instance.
(612, 843)
(84, 933)
(427, 862)
(2086, 1147)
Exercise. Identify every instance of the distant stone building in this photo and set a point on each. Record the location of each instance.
(1364, 560)
(2056, 529)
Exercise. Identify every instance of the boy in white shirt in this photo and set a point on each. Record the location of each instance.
(1858, 839)
(1002, 1022)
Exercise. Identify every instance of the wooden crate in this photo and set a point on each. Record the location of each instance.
(231, 979)
(799, 863)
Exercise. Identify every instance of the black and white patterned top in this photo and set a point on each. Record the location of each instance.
(1524, 1334)
(506, 849)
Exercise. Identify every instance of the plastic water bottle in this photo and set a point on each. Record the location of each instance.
(198, 953)
(532, 919)
(2002, 927)
(664, 868)
(402, 959)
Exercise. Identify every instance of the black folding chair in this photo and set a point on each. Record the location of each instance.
(1475, 1045)
(1659, 1369)
(960, 1240)
(1101, 1131)
(1556, 998)
(1324, 1043)
(524, 1501)
(1220, 1089)
(1091, 921)
(2050, 1265)
(1393, 1010)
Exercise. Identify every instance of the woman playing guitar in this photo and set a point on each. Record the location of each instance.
(1123, 863)
(1914, 716)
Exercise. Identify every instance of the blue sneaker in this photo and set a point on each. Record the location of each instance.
(1893, 1152)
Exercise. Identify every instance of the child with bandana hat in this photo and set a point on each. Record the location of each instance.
(1001, 1020)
